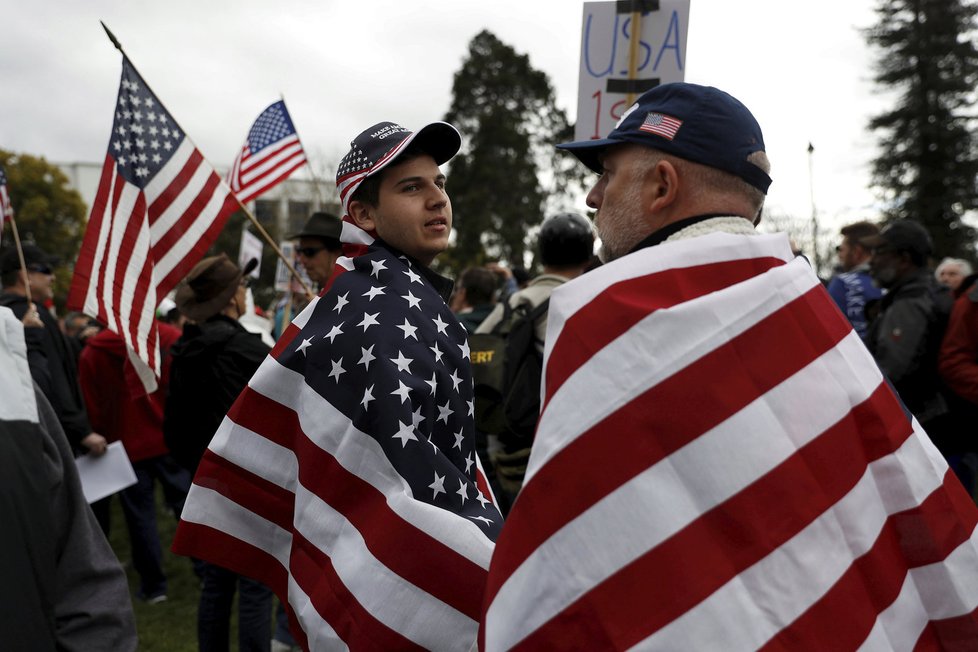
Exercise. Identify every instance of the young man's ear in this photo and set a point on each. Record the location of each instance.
(362, 214)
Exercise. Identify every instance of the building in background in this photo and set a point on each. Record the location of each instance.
(287, 205)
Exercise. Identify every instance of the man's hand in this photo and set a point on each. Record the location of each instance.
(95, 443)
(31, 318)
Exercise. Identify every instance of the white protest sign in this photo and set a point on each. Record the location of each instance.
(608, 56)
(282, 274)
(251, 247)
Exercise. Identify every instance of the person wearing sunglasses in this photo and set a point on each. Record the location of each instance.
(319, 246)
(52, 360)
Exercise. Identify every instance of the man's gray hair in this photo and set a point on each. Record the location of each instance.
(708, 181)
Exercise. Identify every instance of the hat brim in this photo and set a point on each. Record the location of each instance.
(203, 310)
(439, 139)
(589, 152)
(199, 311)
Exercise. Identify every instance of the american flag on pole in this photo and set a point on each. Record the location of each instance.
(158, 207)
(345, 476)
(719, 465)
(6, 208)
(271, 153)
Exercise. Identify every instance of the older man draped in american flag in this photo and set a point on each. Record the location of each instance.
(719, 464)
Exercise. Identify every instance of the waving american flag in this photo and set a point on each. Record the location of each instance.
(271, 153)
(719, 465)
(158, 207)
(345, 476)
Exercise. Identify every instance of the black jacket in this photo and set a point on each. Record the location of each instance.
(211, 363)
(53, 363)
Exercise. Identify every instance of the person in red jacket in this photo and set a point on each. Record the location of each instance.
(958, 366)
(124, 412)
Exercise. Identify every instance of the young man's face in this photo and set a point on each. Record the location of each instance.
(851, 254)
(413, 211)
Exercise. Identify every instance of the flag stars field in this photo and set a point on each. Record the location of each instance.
(405, 433)
(306, 343)
(368, 395)
(377, 267)
(409, 329)
(333, 332)
(367, 356)
(413, 301)
(438, 486)
(337, 370)
(403, 363)
(369, 320)
(402, 390)
(373, 292)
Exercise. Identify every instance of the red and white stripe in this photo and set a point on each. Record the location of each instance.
(299, 498)
(252, 175)
(140, 243)
(720, 465)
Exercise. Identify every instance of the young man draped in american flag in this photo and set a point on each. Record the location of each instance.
(719, 464)
(345, 476)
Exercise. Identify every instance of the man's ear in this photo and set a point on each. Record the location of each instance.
(661, 186)
(362, 214)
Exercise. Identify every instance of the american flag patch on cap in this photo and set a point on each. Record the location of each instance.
(661, 124)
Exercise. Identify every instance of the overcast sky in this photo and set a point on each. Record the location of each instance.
(802, 68)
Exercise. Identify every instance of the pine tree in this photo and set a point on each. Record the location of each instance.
(927, 168)
(508, 171)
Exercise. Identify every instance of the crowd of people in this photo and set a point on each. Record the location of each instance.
(918, 321)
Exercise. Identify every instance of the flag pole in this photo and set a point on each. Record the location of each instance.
(23, 264)
(816, 257)
(254, 220)
(633, 43)
(312, 173)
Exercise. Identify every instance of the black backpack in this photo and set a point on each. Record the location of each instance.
(506, 372)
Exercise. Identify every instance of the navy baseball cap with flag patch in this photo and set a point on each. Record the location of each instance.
(701, 124)
(380, 145)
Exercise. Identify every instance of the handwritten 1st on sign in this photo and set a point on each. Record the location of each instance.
(607, 55)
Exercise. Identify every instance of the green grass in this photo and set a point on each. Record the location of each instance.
(169, 626)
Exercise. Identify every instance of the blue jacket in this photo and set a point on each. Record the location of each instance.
(851, 291)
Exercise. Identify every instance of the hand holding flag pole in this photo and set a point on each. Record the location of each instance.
(31, 318)
(241, 204)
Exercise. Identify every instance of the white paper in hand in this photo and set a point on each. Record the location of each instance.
(105, 475)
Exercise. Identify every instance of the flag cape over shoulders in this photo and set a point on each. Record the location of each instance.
(158, 207)
(345, 475)
(720, 465)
